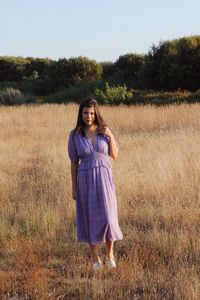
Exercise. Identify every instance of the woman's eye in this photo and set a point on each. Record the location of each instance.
(87, 113)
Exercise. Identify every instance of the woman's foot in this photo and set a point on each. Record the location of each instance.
(97, 265)
(111, 263)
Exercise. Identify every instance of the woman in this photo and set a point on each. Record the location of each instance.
(89, 145)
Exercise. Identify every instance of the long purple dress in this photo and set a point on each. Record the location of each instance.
(96, 204)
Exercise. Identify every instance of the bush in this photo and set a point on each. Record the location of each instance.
(173, 65)
(128, 67)
(28, 86)
(10, 96)
(113, 95)
(161, 98)
(10, 84)
(72, 71)
(12, 68)
(35, 86)
(74, 93)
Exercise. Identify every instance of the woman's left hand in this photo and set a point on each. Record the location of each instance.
(113, 146)
(105, 130)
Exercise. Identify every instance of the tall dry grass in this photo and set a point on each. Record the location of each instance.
(157, 179)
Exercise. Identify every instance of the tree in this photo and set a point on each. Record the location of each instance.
(108, 69)
(173, 65)
(12, 68)
(128, 66)
(67, 72)
(37, 68)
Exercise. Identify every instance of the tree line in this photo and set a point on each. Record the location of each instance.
(169, 66)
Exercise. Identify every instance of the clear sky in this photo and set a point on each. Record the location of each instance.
(98, 29)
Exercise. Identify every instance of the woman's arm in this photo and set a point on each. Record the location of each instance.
(113, 147)
(74, 171)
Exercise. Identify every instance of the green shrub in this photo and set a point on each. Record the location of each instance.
(173, 65)
(10, 96)
(26, 86)
(72, 71)
(74, 93)
(160, 98)
(35, 86)
(10, 84)
(194, 97)
(113, 95)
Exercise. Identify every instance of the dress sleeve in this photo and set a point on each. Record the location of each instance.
(71, 147)
(115, 141)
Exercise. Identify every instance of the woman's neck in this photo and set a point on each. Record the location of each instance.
(91, 128)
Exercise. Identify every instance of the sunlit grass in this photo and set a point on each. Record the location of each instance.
(157, 177)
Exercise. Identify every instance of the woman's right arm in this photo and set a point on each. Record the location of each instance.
(74, 171)
(73, 155)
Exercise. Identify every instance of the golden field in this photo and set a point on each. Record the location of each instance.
(157, 180)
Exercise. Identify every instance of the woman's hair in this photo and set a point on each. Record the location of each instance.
(88, 102)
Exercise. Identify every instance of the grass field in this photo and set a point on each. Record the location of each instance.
(157, 179)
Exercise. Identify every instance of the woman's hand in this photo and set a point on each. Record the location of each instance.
(113, 147)
(105, 130)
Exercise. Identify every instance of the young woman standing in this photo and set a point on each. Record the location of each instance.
(89, 145)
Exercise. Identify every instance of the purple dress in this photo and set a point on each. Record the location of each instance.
(96, 204)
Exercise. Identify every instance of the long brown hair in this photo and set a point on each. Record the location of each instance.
(88, 102)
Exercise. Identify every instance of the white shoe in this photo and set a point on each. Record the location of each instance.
(111, 263)
(97, 265)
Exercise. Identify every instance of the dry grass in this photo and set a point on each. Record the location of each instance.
(157, 179)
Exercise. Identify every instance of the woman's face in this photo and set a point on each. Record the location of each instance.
(88, 116)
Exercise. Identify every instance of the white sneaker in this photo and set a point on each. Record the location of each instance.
(111, 263)
(97, 265)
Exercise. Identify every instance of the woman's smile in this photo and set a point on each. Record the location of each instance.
(88, 112)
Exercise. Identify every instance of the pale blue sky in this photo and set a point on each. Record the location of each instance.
(101, 30)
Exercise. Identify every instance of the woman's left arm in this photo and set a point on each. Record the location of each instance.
(113, 147)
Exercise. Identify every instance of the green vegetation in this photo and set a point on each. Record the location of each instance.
(113, 95)
(10, 96)
(173, 65)
(168, 73)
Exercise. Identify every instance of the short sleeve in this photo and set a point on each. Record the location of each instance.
(71, 147)
(109, 140)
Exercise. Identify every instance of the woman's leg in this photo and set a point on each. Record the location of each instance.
(95, 252)
(109, 245)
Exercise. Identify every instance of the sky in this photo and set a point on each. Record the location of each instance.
(98, 29)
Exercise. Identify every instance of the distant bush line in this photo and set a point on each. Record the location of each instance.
(169, 73)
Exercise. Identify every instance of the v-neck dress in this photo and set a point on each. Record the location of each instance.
(96, 203)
